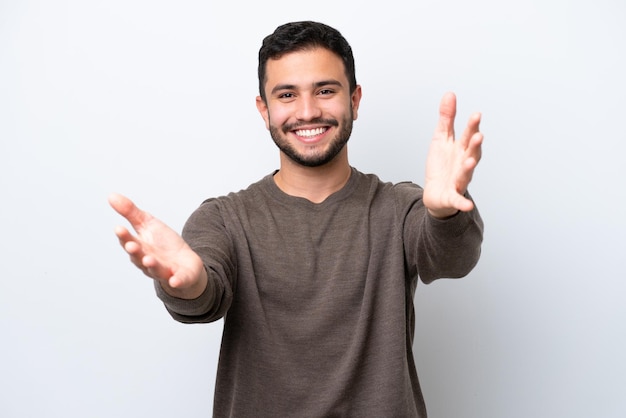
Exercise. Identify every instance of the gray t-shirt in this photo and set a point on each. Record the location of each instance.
(317, 299)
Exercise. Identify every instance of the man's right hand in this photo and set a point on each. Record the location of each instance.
(159, 251)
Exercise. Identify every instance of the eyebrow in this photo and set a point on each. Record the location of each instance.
(316, 85)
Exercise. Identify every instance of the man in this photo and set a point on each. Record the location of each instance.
(314, 267)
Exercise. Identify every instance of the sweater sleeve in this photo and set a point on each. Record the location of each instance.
(207, 235)
(439, 248)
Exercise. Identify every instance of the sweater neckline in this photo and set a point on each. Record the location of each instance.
(272, 188)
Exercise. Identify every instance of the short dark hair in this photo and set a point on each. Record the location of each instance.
(300, 36)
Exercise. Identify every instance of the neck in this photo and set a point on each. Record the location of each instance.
(313, 183)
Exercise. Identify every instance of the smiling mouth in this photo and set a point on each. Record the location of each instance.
(309, 133)
(310, 129)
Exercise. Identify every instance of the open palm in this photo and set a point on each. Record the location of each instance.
(451, 162)
(159, 251)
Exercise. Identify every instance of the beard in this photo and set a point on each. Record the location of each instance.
(316, 157)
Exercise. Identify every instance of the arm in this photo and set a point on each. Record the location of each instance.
(450, 238)
(437, 248)
(159, 252)
(450, 163)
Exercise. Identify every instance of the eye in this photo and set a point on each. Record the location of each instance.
(325, 92)
(286, 96)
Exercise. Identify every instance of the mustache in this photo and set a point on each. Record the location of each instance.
(317, 121)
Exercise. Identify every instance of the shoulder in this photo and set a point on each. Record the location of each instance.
(400, 192)
(407, 191)
(388, 200)
(254, 191)
(234, 203)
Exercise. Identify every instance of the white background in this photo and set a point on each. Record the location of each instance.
(155, 99)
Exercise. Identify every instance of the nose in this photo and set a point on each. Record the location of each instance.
(308, 108)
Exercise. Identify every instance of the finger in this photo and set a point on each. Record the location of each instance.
(175, 282)
(179, 279)
(466, 174)
(155, 269)
(463, 204)
(447, 113)
(120, 203)
(125, 207)
(123, 235)
(474, 149)
(128, 241)
(457, 197)
(130, 244)
(136, 255)
(473, 125)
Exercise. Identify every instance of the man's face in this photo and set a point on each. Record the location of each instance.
(309, 109)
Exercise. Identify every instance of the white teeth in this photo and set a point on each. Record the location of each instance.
(310, 132)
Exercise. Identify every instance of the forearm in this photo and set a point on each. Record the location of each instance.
(194, 291)
(449, 247)
(207, 306)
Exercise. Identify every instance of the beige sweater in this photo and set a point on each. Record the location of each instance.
(317, 299)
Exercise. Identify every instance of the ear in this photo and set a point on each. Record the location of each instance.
(263, 110)
(355, 100)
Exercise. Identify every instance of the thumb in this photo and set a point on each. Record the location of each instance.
(447, 113)
(125, 207)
